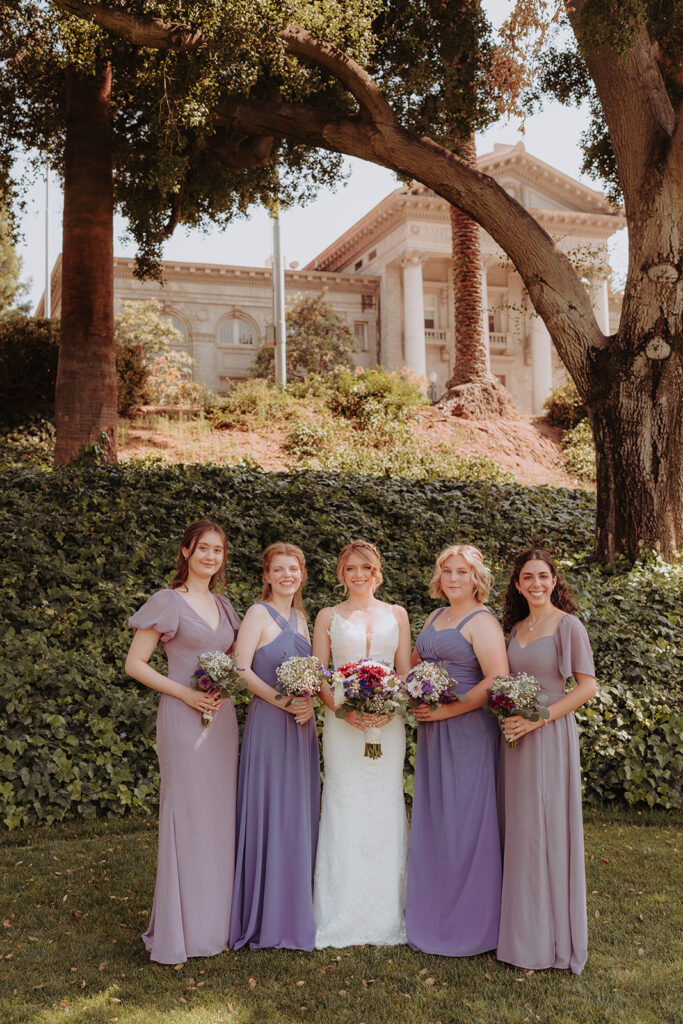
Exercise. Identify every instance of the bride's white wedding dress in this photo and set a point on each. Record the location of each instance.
(360, 868)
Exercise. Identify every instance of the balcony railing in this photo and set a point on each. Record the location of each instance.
(437, 337)
(499, 343)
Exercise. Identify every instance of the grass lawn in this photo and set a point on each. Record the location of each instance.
(75, 898)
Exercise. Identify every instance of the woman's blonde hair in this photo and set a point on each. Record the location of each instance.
(481, 577)
(366, 550)
(282, 548)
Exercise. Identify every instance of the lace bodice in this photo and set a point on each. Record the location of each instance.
(348, 640)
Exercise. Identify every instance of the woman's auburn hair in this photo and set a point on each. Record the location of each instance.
(516, 606)
(280, 547)
(481, 577)
(366, 550)
(193, 534)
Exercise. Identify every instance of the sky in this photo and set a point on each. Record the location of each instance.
(552, 136)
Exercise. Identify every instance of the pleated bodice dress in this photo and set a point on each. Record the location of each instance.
(278, 807)
(454, 861)
(193, 892)
(543, 915)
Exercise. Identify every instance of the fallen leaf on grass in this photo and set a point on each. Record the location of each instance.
(430, 981)
(115, 1000)
(489, 977)
(181, 1000)
(178, 967)
(228, 1007)
(330, 968)
(342, 991)
(518, 979)
(253, 982)
(42, 985)
(299, 984)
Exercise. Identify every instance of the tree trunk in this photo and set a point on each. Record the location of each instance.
(85, 396)
(638, 446)
(472, 391)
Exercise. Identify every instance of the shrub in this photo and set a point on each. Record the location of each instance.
(131, 379)
(251, 404)
(29, 349)
(83, 548)
(318, 342)
(30, 443)
(372, 395)
(564, 406)
(579, 451)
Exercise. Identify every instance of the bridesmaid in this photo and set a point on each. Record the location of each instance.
(198, 765)
(543, 914)
(278, 800)
(454, 869)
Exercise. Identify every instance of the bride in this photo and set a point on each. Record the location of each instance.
(360, 869)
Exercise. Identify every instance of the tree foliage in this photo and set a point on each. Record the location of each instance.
(10, 265)
(318, 341)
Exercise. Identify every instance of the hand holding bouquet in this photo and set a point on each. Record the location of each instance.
(429, 683)
(300, 677)
(218, 675)
(368, 687)
(515, 695)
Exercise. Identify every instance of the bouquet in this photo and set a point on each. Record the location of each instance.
(515, 695)
(430, 683)
(369, 687)
(300, 677)
(218, 675)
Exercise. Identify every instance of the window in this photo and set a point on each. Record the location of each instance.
(500, 377)
(492, 323)
(177, 343)
(371, 255)
(358, 264)
(236, 333)
(431, 319)
(360, 333)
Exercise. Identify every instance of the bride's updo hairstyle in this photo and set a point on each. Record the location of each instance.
(191, 538)
(364, 549)
(281, 548)
(516, 606)
(481, 577)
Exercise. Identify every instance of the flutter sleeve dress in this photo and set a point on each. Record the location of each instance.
(543, 915)
(278, 807)
(454, 870)
(193, 893)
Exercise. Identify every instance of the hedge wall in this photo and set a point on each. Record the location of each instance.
(81, 549)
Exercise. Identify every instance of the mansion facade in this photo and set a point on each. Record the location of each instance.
(389, 276)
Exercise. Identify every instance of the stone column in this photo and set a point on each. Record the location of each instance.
(541, 364)
(414, 350)
(600, 303)
(390, 314)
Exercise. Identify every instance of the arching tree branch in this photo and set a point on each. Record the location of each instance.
(139, 30)
(374, 107)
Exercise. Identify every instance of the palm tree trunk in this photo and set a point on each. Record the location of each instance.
(85, 395)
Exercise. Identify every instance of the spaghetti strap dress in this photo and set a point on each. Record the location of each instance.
(191, 909)
(454, 861)
(278, 807)
(543, 916)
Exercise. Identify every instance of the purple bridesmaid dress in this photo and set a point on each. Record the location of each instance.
(193, 892)
(543, 914)
(278, 807)
(454, 864)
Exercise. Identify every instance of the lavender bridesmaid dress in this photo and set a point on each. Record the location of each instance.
(278, 807)
(454, 870)
(543, 914)
(191, 908)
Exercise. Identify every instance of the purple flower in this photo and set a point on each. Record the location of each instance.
(204, 681)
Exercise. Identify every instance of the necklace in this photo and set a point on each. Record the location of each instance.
(537, 624)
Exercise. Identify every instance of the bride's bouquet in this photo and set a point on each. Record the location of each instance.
(218, 675)
(429, 683)
(517, 694)
(368, 687)
(300, 677)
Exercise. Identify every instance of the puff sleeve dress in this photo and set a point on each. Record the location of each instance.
(195, 866)
(543, 913)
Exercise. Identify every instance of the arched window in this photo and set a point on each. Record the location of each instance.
(180, 325)
(236, 333)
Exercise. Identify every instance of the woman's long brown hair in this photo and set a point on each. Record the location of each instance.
(193, 534)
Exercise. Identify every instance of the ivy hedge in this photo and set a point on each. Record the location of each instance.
(83, 548)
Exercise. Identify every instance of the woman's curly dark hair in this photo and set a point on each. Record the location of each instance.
(516, 606)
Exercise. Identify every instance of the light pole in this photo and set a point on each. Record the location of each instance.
(48, 289)
(279, 324)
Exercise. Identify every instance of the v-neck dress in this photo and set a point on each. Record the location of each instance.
(278, 807)
(543, 915)
(454, 862)
(191, 909)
